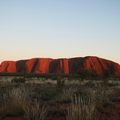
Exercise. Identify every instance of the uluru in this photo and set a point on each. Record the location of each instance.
(78, 65)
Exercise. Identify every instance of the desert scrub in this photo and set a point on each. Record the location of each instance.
(66, 94)
(103, 96)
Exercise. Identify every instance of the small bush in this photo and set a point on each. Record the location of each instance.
(60, 82)
(18, 80)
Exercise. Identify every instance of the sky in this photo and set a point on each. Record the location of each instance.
(59, 29)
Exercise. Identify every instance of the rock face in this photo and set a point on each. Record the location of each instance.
(8, 66)
(81, 65)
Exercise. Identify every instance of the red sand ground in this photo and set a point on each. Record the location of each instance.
(112, 112)
(13, 118)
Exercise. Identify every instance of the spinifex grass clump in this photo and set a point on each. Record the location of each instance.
(82, 107)
(17, 102)
(35, 111)
(14, 101)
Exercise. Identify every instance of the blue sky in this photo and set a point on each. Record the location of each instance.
(59, 28)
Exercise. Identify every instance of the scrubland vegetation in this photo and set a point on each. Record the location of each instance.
(61, 98)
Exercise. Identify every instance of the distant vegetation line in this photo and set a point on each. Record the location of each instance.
(56, 76)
